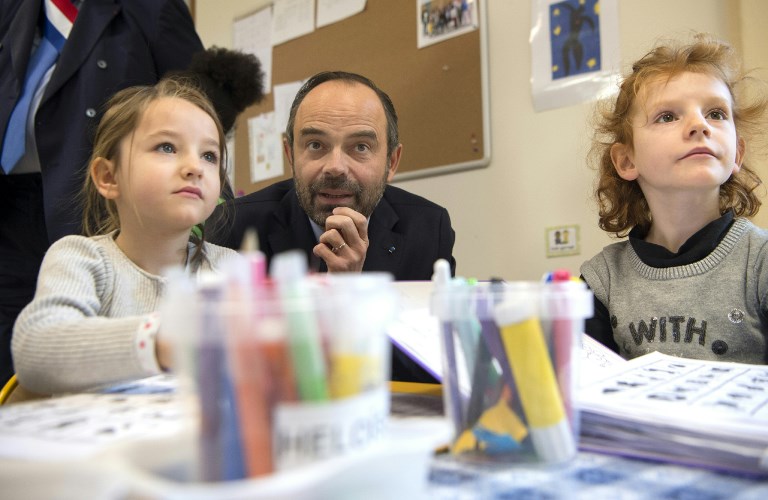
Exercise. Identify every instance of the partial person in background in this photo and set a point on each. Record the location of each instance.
(692, 280)
(155, 172)
(343, 146)
(61, 61)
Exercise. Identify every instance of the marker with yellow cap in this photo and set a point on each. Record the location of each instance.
(526, 349)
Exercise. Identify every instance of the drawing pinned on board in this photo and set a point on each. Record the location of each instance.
(575, 51)
(574, 37)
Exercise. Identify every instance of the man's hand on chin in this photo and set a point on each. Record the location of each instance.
(344, 243)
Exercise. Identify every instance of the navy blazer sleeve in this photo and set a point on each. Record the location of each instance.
(447, 239)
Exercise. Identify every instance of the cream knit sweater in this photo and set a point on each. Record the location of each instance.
(83, 328)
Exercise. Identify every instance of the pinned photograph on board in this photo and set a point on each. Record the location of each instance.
(439, 20)
(574, 37)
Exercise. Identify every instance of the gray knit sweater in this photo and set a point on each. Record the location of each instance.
(81, 328)
(716, 308)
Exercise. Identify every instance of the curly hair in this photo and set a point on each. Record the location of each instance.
(231, 79)
(621, 203)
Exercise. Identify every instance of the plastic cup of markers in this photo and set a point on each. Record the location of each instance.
(510, 366)
(285, 382)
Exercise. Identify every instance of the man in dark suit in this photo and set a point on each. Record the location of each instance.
(343, 147)
(406, 233)
(112, 44)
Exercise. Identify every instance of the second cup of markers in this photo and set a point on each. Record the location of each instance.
(288, 372)
(510, 365)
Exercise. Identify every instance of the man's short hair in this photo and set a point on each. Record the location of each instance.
(326, 76)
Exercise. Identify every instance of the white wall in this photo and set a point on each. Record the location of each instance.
(752, 20)
(538, 175)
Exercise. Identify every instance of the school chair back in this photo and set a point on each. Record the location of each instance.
(8, 388)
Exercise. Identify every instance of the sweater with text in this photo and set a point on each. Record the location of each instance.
(715, 308)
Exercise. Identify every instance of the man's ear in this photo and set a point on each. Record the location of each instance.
(288, 153)
(103, 177)
(741, 148)
(621, 156)
(394, 162)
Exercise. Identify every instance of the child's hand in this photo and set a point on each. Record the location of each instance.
(164, 353)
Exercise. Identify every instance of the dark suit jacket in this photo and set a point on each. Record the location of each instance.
(114, 44)
(406, 233)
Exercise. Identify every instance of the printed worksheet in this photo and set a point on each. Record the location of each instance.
(731, 397)
(82, 425)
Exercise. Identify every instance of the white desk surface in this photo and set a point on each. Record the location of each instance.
(105, 465)
(112, 471)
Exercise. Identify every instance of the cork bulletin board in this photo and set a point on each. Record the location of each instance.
(440, 91)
